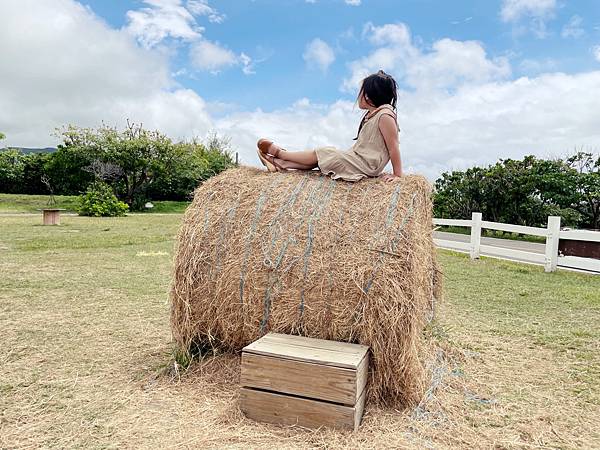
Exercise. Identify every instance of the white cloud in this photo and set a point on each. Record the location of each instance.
(70, 67)
(447, 64)
(300, 126)
(535, 13)
(162, 19)
(513, 10)
(318, 54)
(462, 107)
(393, 33)
(477, 124)
(202, 8)
(209, 56)
(247, 64)
(213, 57)
(596, 52)
(537, 66)
(572, 28)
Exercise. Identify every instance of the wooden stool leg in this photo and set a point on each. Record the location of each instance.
(51, 217)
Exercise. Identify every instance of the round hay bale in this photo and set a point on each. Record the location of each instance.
(303, 254)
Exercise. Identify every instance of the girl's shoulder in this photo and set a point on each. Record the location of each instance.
(385, 109)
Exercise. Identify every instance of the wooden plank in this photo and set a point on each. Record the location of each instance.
(452, 245)
(307, 354)
(298, 350)
(287, 410)
(362, 375)
(453, 222)
(534, 231)
(318, 381)
(511, 253)
(575, 262)
(359, 409)
(325, 344)
(581, 235)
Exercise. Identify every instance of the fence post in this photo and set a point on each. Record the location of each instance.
(475, 234)
(552, 243)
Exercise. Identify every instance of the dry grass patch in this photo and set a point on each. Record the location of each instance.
(86, 358)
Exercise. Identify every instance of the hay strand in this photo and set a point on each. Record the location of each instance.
(301, 253)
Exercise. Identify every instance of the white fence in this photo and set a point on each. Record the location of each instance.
(550, 259)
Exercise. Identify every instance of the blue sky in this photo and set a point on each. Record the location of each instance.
(276, 32)
(479, 80)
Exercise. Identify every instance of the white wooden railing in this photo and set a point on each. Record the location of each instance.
(550, 259)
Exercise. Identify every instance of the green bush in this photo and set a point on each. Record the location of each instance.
(100, 201)
(12, 168)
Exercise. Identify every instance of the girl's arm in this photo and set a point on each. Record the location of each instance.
(389, 131)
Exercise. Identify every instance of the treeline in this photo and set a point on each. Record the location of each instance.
(525, 192)
(141, 165)
(138, 164)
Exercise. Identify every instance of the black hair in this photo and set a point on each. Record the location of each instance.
(380, 89)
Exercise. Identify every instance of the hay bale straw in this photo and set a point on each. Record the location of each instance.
(303, 254)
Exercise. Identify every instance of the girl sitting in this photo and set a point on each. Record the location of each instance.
(376, 142)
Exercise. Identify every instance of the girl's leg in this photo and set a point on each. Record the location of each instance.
(304, 158)
(307, 158)
(293, 165)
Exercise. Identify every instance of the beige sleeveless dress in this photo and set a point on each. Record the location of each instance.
(366, 158)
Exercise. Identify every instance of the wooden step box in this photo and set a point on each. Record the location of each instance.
(293, 380)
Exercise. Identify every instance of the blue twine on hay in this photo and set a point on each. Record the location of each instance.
(311, 234)
(390, 216)
(273, 276)
(220, 243)
(257, 214)
(285, 206)
(393, 242)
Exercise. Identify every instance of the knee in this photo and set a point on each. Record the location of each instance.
(261, 142)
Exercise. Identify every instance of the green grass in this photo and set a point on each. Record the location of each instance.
(21, 203)
(168, 206)
(84, 326)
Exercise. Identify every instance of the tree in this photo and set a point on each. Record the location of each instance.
(34, 168)
(522, 192)
(12, 168)
(138, 162)
(587, 187)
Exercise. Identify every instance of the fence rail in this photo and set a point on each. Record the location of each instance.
(550, 259)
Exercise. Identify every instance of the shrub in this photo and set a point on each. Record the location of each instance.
(12, 168)
(100, 201)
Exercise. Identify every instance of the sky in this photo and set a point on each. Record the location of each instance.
(478, 80)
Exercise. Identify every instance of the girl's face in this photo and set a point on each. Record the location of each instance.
(363, 101)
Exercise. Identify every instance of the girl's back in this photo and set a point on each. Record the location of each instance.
(366, 158)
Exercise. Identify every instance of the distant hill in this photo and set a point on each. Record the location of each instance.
(27, 150)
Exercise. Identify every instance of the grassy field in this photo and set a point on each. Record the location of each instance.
(86, 359)
(17, 203)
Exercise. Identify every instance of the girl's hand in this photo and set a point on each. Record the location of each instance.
(389, 177)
